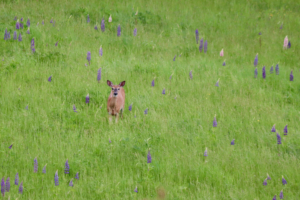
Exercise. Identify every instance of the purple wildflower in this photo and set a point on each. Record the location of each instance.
(21, 188)
(32, 45)
(15, 18)
(119, 31)
(56, 178)
(291, 76)
(96, 28)
(43, 22)
(201, 45)
(264, 72)
(20, 37)
(51, 21)
(26, 107)
(281, 194)
(87, 99)
(74, 108)
(152, 83)
(265, 182)
(174, 58)
(130, 107)
(164, 91)
(273, 129)
(35, 168)
(215, 122)
(2, 186)
(197, 35)
(277, 69)
(191, 75)
(18, 25)
(50, 78)
(232, 142)
(289, 45)
(77, 176)
(28, 31)
(205, 152)
(205, 46)
(21, 25)
(5, 34)
(283, 181)
(224, 64)
(15, 35)
(71, 183)
(56, 43)
(149, 158)
(88, 19)
(8, 35)
(100, 51)
(134, 32)
(21, 19)
(285, 130)
(274, 198)
(17, 179)
(146, 111)
(256, 60)
(7, 186)
(136, 190)
(88, 57)
(10, 146)
(103, 25)
(44, 169)
(67, 167)
(28, 23)
(217, 84)
(278, 139)
(268, 177)
(99, 75)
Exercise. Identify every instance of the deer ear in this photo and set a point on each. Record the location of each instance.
(109, 83)
(122, 84)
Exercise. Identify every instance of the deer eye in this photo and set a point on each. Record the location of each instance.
(118, 88)
(112, 88)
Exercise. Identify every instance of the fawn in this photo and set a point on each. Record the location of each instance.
(116, 100)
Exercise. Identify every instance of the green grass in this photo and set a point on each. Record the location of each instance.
(176, 130)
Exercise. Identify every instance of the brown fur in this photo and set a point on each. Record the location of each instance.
(115, 104)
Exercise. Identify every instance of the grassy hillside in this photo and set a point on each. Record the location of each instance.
(179, 125)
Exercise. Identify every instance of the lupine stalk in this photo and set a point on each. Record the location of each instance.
(291, 76)
(18, 25)
(268, 177)
(10, 146)
(7, 185)
(119, 31)
(88, 57)
(265, 182)
(67, 167)
(164, 91)
(274, 198)
(2, 187)
(50, 78)
(17, 179)
(277, 69)
(96, 28)
(205, 152)
(256, 60)
(87, 99)
(20, 37)
(217, 83)
(152, 83)
(191, 75)
(174, 58)
(285, 130)
(215, 122)
(283, 181)
(21, 188)
(281, 194)
(136, 190)
(273, 129)
(222, 53)
(71, 183)
(28, 31)
(278, 138)
(77, 176)
(102, 25)
(149, 158)
(224, 63)
(285, 42)
(255, 73)
(44, 169)
(100, 51)
(201, 45)
(197, 35)
(146, 111)
(56, 181)
(134, 32)
(232, 142)
(289, 45)
(205, 46)
(110, 19)
(130, 107)
(28, 23)
(88, 19)
(35, 168)
(74, 108)
(99, 75)
(15, 35)
(264, 72)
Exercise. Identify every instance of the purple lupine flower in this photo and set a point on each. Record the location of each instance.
(136, 190)
(278, 139)
(21, 25)
(88, 57)
(291, 76)
(10, 146)
(281, 26)
(77, 176)
(50, 78)
(271, 70)
(67, 167)
(264, 72)
(88, 19)
(103, 25)
(289, 45)
(15, 18)
(7, 185)
(285, 130)
(28, 31)
(5, 34)
(32, 45)
(21, 188)
(21, 19)
(56, 178)
(2, 186)
(146, 111)
(205, 46)
(256, 60)
(215, 122)
(8, 35)
(56, 43)
(15, 35)
(134, 32)
(283, 181)
(26, 107)
(201, 45)
(130, 107)
(164, 91)
(149, 158)
(100, 51)
(152, 83)
(274, 198)
(44, 169)
(71, 183)
(217, 83)
(28, 23)
(74, 108)
(51, 21)
(43, 22)
(273, 129)
(99, 75)
(96, 28)
(224, 64)
(232, 142)
(174, 58)
(119, 31)
(20, 37)
(281, 194)
(277, 69)
(197, 35)
(18, 25)
(191, 75)
(87, 99)
(17, 179)
(265, 182)
(205, 152)
(268, 177)
(33, 50)
(35, 167)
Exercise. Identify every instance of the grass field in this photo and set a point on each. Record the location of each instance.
(179, 125)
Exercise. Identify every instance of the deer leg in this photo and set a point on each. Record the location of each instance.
(109, 117)
(121, 113)
(117, 117)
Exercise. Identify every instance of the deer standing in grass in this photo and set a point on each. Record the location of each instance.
(116, 100)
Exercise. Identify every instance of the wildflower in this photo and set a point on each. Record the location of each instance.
(77, 176)
(268, 177)
(102, 25)
(15, 18)
(264, 72)
(289, 45)
(26, 107)
(259, 33)
(17, 179)
(18, 25)
(152, 83)
(271, 70)
(28, 23)
(291, 76)
(88, 57)
(32, 45)
(256, 60)
(134, 32)
(43, 22)
(174, 58)
(222, 53)
(215, 122)
(8, 35)
(10, 146)
(35, 168)
(96, 28)
(191, 75)
(99, 75)
(56, 43)
(20, 37)
(67, 167)
(110, 19)
(136, 190)
(277, 69)
(224, 64)
(50, 78)
(87, 99)
(51, 21)
(21, 188)
(149, 158)
(217, 83)
(44, 169)
(146, 111)
(100, 51)
(56, 178)
(265, 182)
(273, 129)
(283, 181)
(281, 194)
(274, 198)
(205, 152)
(71, 183)
(130, 107)
(28, 31)
(205, 46)
(74, 108)
(119, 31)
(197, 35)
(7, 185)
(278, 139)
(285, 130)
(2, 186)
(88, 19)
(164, 91)
(15, 35)
(232, 142)
(285, 42)
(201, 45)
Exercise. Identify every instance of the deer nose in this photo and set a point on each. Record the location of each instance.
(115, 94)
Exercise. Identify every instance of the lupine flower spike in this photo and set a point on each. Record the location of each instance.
(26, 107)
(28, 23)
(289, 45)
(15, 19)
(77, 176)
(17, 179)
(149, 158)
(2, 187)
(71, 183)
(5, 34)
(35, 165)
(56, 181)
(103, 25)
(67, 167)
(271, 70)
(56, 43)
(277, 69)
(283, 181)
(136, 190)
(224, 63)
(10, 146)
(164, 91)
(110, 19)
(274, 198)
(28, 31)
(217, 83)
(88, 19)
(20, 37)
(21, 188)
(268, 177)
(264, 72)
(291, 76)
(222, 53)
(7, 185)
(191, 75)
(265, 182)
(50, 78)
(51, 21)
(197, 35)
(88, 57)
(232, 142)
(201, 45)
(285, 42)
(130, 107)
(100, 51)
(15, 35)
(134, 32)
(96, 28)
(21, 25)
(285, 130)
(174, 58)
(278, 138)
(152, 83)
(273, 129)
(281, 195)
(255, 73)
(18, 25)
(215, 122)
(205, 152)
(255, 60)
(205, 46)
(87, 98)
(146, 111)
(119, 31)
(74, 108)
(43, 22)
(99, 75)
(44, 169)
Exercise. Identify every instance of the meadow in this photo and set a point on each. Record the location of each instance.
(38, 120)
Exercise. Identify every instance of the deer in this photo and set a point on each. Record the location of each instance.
(116, 100)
